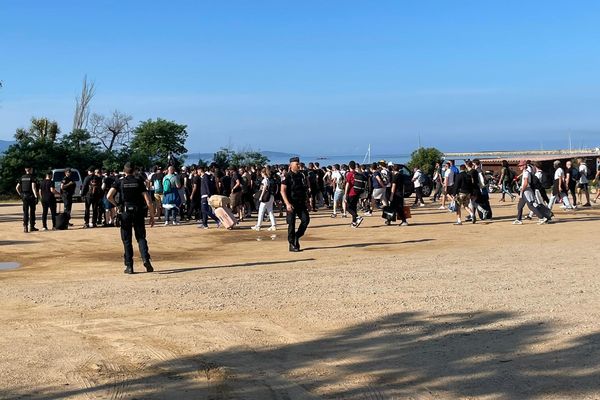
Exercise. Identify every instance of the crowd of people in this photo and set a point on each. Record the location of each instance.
(182, 196)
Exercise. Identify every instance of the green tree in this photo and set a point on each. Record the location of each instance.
(154, 141)
(41, 129)
(425, 158)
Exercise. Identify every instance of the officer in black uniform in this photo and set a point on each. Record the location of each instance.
(27, 188)
(295, 192)
(134, 199)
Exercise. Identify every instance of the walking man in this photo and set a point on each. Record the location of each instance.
(27, 188)
(134, 200)
(294, 190)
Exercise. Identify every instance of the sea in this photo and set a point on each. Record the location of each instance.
(283, 158)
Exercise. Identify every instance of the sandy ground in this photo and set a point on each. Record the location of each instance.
(429, 311)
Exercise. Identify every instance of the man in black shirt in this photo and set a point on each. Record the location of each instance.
(463, 189)
(93, 195)
(134, 199)
(67, 190)
(294, 190)
(27, 188)
(194, 209)
(47, 194)
(397, 194)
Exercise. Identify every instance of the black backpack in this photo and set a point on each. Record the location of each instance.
(575, 174)
(360, 182)
(546, 182)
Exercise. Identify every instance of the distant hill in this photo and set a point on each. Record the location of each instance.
(4, 144)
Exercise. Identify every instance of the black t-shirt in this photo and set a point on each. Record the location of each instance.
(95, 188)
(197, 181)
(296, 187)
(226, 185)
(398, 179)
(27, 181)
(46, 189)
(474, 175)
(234, 178)
(69, 185)
(131, 190)
(108, 182)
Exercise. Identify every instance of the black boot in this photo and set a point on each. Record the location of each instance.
(293, 248)
(148, 266)
(128, 269)
(297, 244)
(25, 229)
(33, 229)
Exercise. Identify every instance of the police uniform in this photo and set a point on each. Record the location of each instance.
(131, 190)
(297, 194)
(29, 199)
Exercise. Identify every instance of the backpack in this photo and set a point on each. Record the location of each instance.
(385, 178)
(341, 183)
(422, 178)
(273, 187)
(166, 186)
(546, 182)
(575, 174)
(158, 188)
(360, 182)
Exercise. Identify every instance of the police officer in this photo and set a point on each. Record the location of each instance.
(295, 191)
(27, 188)
(134, 199)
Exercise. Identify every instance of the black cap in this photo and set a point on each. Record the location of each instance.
(294, 159)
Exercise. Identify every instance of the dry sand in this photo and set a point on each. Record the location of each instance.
(429, 311)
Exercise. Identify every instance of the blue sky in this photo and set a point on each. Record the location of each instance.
(314, 77)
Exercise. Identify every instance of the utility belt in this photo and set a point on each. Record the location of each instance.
(130, 208)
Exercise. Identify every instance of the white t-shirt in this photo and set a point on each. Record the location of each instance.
(335, 177)
(583, 171)
(559, 174)
(526, 175)
(449, 176)
(385, 176)
(417, 178)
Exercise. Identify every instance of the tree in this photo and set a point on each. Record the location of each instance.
(226, 157)
(41, 129)
(425, 158)
(82, 105)
(111, 131)
(154, 141)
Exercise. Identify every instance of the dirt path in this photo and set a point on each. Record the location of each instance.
(428, 311)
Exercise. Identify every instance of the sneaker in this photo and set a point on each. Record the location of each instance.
(368, 214)
(485, 214)
(359, 221)
(353, 225)
(422, 205)
(404, 223)
(166, 223)
(128, 270)
(344, 215)
(517, 222)
(332, 215)
(528, 217)
(458, 223)
(44, 229)
(542, 221)
(148, 266)
(272, 228)
(442, 208)
(587, 205)
(255, 228)
(468, 219)
(218, 225)
(33, 229)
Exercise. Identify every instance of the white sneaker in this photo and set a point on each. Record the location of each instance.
(422, 205)
(458, 223)
(272, 228)
(359, 221)
(517, 222)
(542, 221)
(166, 223)
(442, 208)
(255, 228)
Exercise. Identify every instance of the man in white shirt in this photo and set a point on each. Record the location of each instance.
(417, 181)
(527, 196)
(448, 184)
(584, 183)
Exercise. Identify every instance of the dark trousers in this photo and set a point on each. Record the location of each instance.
(397, 204)
(418, 195)
(92, 204)
(68, 202)
(133, 221)
(29, 203)
(49, 205)
(194, 208)
(207, 212)
(300, 211)
(353, 206)
(573, 190)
